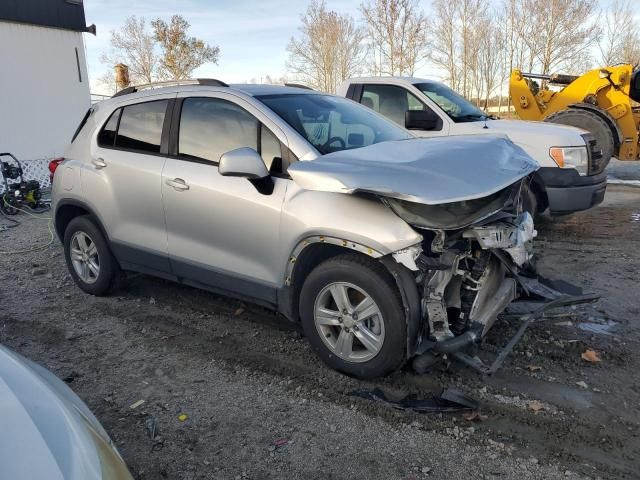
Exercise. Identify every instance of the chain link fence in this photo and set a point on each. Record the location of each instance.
(32, 170)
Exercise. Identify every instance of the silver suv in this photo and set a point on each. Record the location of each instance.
(381, 244)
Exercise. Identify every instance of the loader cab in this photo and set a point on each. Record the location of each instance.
(634, 89)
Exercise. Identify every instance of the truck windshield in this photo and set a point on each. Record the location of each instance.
(456, 106)
(331, 123)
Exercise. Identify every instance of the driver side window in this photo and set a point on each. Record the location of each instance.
(337, 133)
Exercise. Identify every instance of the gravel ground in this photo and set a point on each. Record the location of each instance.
(259, 404)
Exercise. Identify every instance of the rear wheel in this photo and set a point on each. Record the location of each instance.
(89, 259)
(353, 316)
(591, 122)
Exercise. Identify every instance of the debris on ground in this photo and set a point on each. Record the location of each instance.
(182, 417)
(280, 442)
(590, 356)
(535, 406)
(474, 416)
(71, 377)
(135, 405)
(582, 384)
(450, 400)
(534, 368)
(152, 428)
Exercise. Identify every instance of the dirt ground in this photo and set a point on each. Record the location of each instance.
(259, 404)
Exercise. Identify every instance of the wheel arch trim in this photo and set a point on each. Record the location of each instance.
(315, 239)
(77, 204)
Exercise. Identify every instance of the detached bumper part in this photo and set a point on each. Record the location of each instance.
(568, 191)
(565, 296)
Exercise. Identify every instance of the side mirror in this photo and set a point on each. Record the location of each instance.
(421, 120)
(242, 162)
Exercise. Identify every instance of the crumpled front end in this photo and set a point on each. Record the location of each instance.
(463, 195)
(466, 267)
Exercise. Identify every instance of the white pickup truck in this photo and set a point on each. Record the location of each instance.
(571, 175)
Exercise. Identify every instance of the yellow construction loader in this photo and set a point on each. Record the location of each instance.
(603, 101)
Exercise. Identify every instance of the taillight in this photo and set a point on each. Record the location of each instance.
(53, 164)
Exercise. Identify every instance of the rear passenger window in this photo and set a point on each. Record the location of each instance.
(210, 127)
(141, 126)
(107, 136)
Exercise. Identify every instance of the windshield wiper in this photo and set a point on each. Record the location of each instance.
(472, 116)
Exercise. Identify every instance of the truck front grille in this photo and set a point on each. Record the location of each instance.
(596, 162)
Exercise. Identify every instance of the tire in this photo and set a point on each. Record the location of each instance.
(107, 267)
(591, 122)
(360, 277)
(6, 207)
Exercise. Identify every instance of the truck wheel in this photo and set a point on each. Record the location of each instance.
(591, 122)
(89, 259)
(353, 316)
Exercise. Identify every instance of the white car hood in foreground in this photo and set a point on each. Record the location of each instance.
(431, 171)
(46, 431)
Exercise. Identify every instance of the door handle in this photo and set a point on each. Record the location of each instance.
(178, 184)
(99, 163)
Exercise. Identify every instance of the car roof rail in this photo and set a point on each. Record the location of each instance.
(298, 85)
(209, 82)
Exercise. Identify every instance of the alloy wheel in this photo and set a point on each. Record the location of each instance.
(349, 322)
(85, 257)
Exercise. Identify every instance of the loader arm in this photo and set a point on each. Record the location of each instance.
(606, 91)
(524, 100)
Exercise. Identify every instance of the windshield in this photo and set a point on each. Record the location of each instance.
(456, 106)
(332, 124)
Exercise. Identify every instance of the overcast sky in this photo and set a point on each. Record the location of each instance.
(252, 34)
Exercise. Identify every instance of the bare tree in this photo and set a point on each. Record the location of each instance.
(472, 15)
(620, 39)
(397, 30)
(463, 44)
(444, 41)
(135, 47)
(566, 31)
(181, 54)
(328, 50)
(489, 59)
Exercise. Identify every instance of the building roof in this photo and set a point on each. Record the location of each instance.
(64, 14)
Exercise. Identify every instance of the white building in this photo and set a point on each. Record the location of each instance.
(44, 89)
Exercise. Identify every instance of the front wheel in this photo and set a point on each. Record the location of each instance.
(353, 316)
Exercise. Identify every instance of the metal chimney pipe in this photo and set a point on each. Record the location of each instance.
(122, 76)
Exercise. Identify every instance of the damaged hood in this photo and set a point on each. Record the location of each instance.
(425, 170)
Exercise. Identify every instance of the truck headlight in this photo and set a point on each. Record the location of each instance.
(571, 157)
